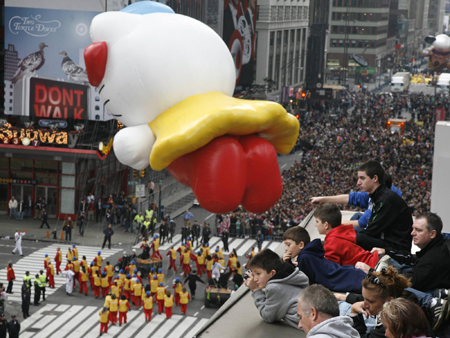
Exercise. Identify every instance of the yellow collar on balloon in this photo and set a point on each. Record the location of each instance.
(197, 120)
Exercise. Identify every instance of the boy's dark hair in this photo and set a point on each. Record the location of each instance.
(297, 234)
(372, 168)
(328, 213)
(266, 260)
(387, 180)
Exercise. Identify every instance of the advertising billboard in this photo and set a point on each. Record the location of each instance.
(45, 76)
(239, 33)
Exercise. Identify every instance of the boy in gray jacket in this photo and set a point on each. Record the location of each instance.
(276, 287)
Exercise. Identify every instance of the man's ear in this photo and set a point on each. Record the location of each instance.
(433, 234)
(313, 314)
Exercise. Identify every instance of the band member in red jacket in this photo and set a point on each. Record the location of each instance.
(58, 260)
(10, 277)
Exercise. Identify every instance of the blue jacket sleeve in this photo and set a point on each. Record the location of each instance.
(359, 199)
(362, 222)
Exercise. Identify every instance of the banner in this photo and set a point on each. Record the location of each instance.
(45, 75)
(239, 33)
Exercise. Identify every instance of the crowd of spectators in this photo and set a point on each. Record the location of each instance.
(347, 132)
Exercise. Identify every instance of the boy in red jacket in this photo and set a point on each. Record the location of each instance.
(340, 240)
(10, 277)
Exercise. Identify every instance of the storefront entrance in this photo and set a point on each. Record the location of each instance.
(3, 198)
(21, 192)
(49, 194)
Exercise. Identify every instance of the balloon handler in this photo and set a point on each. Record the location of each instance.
(177, 104)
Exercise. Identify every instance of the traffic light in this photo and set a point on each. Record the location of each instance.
(413, 60)
(303, 96)
(297, 116)
(142, 173)
(135, 173)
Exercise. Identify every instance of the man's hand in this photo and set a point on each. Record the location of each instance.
(362, 266)
(358, 307)
(250, 282)
(380, 251)
(317, 200)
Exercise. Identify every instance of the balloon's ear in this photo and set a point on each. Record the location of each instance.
(430, 39)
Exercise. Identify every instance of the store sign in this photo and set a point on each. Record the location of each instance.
(47, 123)
(17, 181)
(8, 134)
(58, 100)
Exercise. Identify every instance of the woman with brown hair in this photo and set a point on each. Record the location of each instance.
(404, 319)
(378, 288)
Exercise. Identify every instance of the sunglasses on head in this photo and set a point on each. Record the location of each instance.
(375, 280)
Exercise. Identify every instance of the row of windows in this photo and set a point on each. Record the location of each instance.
(287, 13)
(358, 30)
(371, 17)
(359, 43)
(361, 3)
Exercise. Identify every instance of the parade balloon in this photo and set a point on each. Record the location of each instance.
(438, 53)
(169, 79)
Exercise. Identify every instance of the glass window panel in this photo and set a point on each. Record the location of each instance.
(46, 179)
(68, 168)
(21, 164)
(4, 163)
(67, 205)
(67, 181)
(18, 175)
(46, 166)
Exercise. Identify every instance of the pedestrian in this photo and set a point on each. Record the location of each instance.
(168, 304)
(28, 207)
(44, 219)
(193, 278)
(104, 319)
(206, 232)
(12, 207)
(67, 228)
(148, 306)
(37, 290)
(99, 211)
(187, 218)
(10, 278)
(27, 279)
(82, 279)
(58, 260)
(195, 232)
(3, 326)
(2, 298)
(113, 308)
(20, 211)
(91, 210)
(124, 306)
(160, 293)
(43, 279)
(51, 275)
(163, 229)
(69, 281)
(81, 224)
(13, 327)
(137, 288)
(172, 229)
(259, 240)
(18, 238)
(184, 233)
(139, 219)
(172, 253)
(37, 214)
(109, 232)
(225, 237)
(105, 284)
(184, 300)
(97, 283)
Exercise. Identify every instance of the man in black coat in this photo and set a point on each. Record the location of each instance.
(26, 298)
(172, 229)
(195, 231)
(13, 327)
(206, 232)
(3, 326)
(184, 233)
(193, 278)
(109, 232)
(44, 219)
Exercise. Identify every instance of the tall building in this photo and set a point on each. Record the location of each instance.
(357, 27)
(282, 35)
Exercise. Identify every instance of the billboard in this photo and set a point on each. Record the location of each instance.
(45, 75)
(239, 33)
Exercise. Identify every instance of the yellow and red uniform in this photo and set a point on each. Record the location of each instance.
(173, 258)
(131, 268)
(84, 263)
(75, 252)
(153, 286)
(109, 269)
(232, 263)
(46, 261)
(51, 275)
(115, 290)
(186, 260)
(137, 287)
(83, 278)
(209, 264)
(184, 300)
(221, 261)
(148, 306)
(168, 305)
(69, 266)
(104, 319)
(132, 282)
(97, 285)
(160, 293)
(58, 260)
(124, 306)
(113, 308)
(127, 288)
(200, 261)
(181, 250)
(177, 287)
(160, 276)
(76, 270)
(105, 286)
(99, 261)
(155, 246)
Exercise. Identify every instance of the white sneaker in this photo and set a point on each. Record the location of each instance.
(383, 263)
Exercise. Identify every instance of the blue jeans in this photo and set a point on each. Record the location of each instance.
(401, 268)
(12, 213)
(27, 213)
(424, 297)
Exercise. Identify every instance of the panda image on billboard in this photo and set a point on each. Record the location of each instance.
(169, 79)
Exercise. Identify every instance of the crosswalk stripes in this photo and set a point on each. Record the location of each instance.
(76, 321)
(35, 262)
(246, 247)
